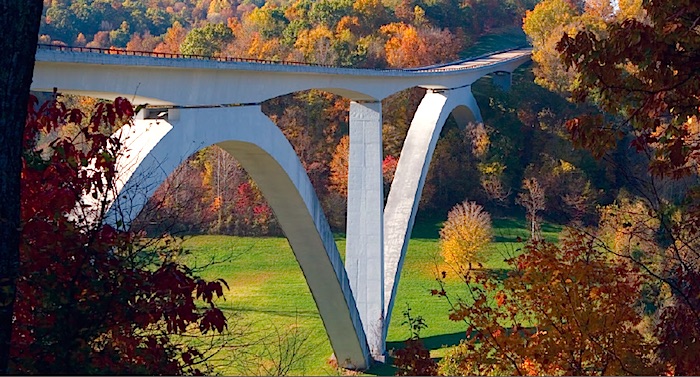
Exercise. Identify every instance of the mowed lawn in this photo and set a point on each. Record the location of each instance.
(271, 306)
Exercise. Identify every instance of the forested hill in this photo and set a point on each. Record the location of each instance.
(522, 136)
(367, 33)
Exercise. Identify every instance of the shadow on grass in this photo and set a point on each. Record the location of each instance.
(382, 369)
(281, 313)
(499, 273)
(509, 238)
(431, 343)
(427, 225)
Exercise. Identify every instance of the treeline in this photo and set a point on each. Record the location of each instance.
(523, 136)
(368, 33)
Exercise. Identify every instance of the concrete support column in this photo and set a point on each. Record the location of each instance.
(502, 80)
(364, 258)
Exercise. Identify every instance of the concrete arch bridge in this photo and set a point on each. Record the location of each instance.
(207, 101)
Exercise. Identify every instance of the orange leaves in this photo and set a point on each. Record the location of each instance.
(500, 298)
(648, 76)
(339, 167)
(563, 310)
(409, 46)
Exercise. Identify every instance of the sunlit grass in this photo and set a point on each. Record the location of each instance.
(269, 296)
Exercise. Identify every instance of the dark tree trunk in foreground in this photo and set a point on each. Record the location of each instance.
(19, 25)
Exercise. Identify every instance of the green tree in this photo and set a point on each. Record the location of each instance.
(269, 21)
(208, 40)
(120, 37)
(60, 22)
(329, 12)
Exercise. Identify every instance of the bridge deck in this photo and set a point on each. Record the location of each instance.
(199, 61)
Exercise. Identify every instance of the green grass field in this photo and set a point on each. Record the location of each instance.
(269, 299)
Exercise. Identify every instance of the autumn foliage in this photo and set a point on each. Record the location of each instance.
(562, 310)
(92, 299)
(636, 66)
(464, 234)
(649, 76)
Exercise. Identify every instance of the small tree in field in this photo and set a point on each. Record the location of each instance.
(466, 231)
(532, 198)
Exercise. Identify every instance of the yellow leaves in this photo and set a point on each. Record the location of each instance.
(339, 167)
(218, 6)
(566, 166)
(492, 168)
(465, 233)
(479, 137)
(539, 23)
(630, 9)
(419, 16)
(626, 226)
(310, 41)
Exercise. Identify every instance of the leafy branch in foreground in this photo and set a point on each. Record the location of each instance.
(85, 304)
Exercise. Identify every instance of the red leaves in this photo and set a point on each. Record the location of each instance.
(591, 132)
(81, 285)
(206, 290)
(414, 360)
(678, 330)
(648, 76)
(213, 318)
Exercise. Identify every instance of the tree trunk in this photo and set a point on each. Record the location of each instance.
(19, 22)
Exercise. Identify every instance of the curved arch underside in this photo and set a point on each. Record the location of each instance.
(411, 172)
(158, 147)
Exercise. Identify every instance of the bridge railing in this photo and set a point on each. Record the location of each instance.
(442, 67)
(120, 51)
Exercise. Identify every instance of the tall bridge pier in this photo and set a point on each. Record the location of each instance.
(217, 102)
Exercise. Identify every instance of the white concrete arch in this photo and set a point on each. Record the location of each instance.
(189, 82)
(158, 147)
(200, 93)
(411, 171)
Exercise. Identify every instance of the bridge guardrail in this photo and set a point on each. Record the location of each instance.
(442, 67)
(119, 51)
(473, 58)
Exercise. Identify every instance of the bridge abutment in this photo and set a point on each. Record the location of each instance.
(364, 258)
